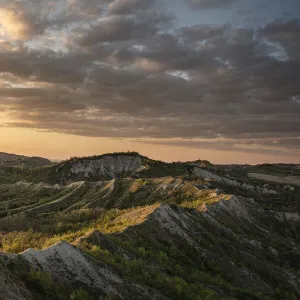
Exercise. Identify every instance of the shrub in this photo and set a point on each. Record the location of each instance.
(19, 241)
(42, 282)
(80, 294)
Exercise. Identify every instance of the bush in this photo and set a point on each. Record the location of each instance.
(80, 294)
(108, 297)
(42, 282)
(18, 241)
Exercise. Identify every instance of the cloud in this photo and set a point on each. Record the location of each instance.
(275, 147)
(21, 20)
(128, 71)
(203, 4)
(118, 28)
(16, 26)
(285, 33)
(203, 31)
(85, 9)
(39, 100)
(114, 29)
(129, 6)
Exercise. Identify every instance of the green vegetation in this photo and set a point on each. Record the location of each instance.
(138, 269)
(80, 294)
(44, 284)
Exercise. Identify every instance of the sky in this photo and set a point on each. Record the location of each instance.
(171, 79)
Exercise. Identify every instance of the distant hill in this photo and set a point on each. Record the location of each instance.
(14, 160)
(5, 157)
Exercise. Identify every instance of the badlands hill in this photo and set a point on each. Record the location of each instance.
(123, 226)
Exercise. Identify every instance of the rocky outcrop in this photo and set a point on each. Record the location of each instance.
(110, 166)
(104, 167)
(66, 263)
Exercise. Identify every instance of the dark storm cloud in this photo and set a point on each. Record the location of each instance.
(128, 73)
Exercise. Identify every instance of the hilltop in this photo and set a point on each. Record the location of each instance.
(123, 226)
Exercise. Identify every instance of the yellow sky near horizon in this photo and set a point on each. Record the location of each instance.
(52, 145)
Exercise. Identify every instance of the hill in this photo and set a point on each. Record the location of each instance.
(102, 167)
(123, 226)
(20, 161)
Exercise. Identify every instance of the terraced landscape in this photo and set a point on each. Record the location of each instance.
(123, 226)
